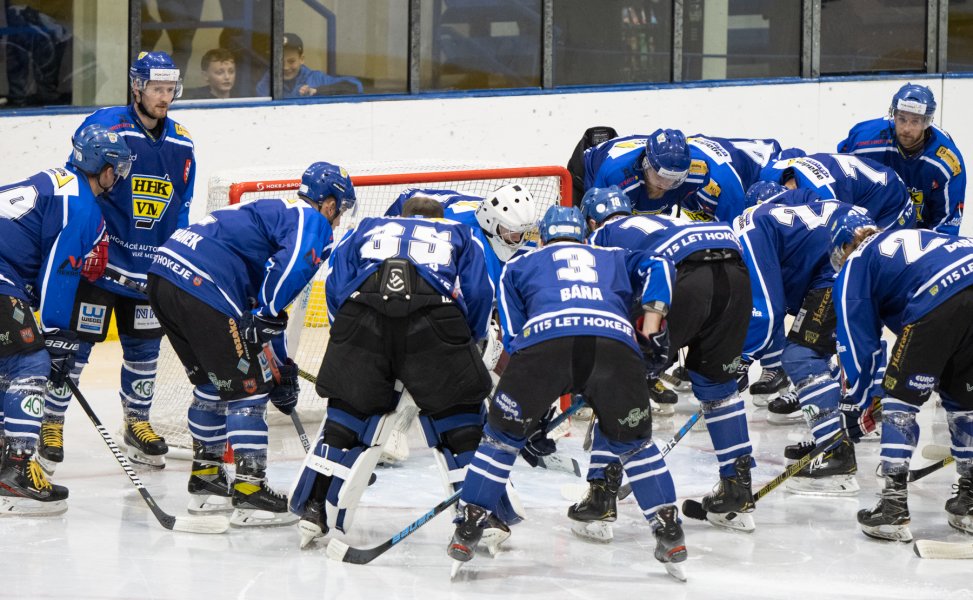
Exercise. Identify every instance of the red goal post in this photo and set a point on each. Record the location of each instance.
(376, 187)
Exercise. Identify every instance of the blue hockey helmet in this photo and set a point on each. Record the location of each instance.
(323, 180)
(562, 223)
(601, 203)
(666, 161)
(95, 148)
(843, 226)
(915, 99)
(154, 66)
(763, 191)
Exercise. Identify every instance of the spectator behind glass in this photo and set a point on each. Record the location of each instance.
(300, 80)
(219, 71)
(35, 45)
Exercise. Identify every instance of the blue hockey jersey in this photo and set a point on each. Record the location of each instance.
(665, 236)
(445, 197)
(851, 179)
(786, 246)
(248, 257)
(144, 210)
(48, 223)
(570, 289)
(444, 252)
(893, 278)
(935, 176)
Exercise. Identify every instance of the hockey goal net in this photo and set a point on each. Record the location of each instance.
(307, 335)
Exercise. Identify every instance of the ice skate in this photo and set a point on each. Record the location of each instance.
(595, 512)
(469, 531)
(209, 487)
(145, 447)
(313, 524)
(495, 533)
(732, 500)
(255, 503)
(889, 520)
(25, 490)
(771, 382)
(785, 409)
(670, 544)
(50, 452)
(959, 508)
(681, 376)
(663, 399)
(830, 474)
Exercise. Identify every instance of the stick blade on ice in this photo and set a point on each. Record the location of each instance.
(337, 550)
(944, 550)
(202, 524)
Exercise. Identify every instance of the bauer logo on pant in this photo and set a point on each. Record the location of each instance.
(150, 197)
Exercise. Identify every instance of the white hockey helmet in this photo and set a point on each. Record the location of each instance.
(506, 215)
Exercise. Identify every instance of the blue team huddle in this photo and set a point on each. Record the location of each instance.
(729, 251)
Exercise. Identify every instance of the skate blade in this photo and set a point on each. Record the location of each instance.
(146, 461)
(963, 523)
(26, 507)
(492, 538)
(310, 532)
(593, 531)
(789, 419)
(208, 504)
(732, 521)
(676, 570)
(889, 533)
(834, 485)
(48, 466)
(250, 517)
(454, 568)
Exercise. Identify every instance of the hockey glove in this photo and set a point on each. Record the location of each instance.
(62, 345)
(858, 423)
(743, 379)
(538, 444)
(655, 350)
(284, 395)
(258, 329)
(491, 349)
(96, 261)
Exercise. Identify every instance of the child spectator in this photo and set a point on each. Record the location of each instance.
(219, 71)
(300, 80)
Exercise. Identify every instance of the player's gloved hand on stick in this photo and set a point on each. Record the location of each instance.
(655, 350)
(284, 395)
(260, 329)
(858, 422)
(538, 444)
(62, 345)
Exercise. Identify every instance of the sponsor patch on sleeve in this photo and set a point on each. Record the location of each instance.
(951, 160)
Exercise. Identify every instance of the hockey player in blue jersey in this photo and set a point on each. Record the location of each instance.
(565, 314)
(408, 297)
(140, 216)
(445, 197)
(925, 157)
(706, 177)
(919, 284)
(851, 179)
(711, 306)
(786, 245)
(49, 229)
(219, 289)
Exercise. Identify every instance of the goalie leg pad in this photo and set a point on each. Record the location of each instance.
(726, 420)
(900, 433)
(139, 362)
(454, 438)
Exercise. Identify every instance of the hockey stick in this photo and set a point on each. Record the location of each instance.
(190, 524)
(933, 452)
(694, 509)
(946, 550)
(626, 489)
(340, 551)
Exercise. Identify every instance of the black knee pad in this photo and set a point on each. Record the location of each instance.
(462, 439)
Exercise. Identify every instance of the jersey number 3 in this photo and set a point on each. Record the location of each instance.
(581, 265)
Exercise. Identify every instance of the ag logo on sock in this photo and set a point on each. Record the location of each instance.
(144, 387)
(33, 405)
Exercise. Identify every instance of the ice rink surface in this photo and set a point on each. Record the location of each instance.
(108, 544)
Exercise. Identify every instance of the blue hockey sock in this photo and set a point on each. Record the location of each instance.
(139, 360)
(819, 396)
(488, 472)
(726, 421)
(601, 455)
(647, 473)
(246, 426)
(57, 400)
(207, 418)
(900, 433)
(960, 422)
(23, 401)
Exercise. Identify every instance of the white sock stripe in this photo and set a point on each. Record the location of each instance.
(490, 476)
(891, 404)
(134, 400)
(908, 447)
(632, 464)
(203, 396)
(829, 387)
(12, 421)
(493, 463)
(201, 438)
(30, 389)
(602, 453)
(829, 424)
(57, 402)
(736, 413)
(650, 512)
(237, 447)
(195, 425)
(960, 448)
(253, 432)
(652, 473)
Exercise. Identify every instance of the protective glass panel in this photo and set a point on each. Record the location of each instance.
(741, 39)
(615, 41)
(959, 41)
(864, 36)
(480, 44)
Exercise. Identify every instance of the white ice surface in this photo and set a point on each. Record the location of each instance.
(108, 545)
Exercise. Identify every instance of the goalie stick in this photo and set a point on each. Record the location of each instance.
(342, 552)
(190, 524)
(694, 509)
(944, 550)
